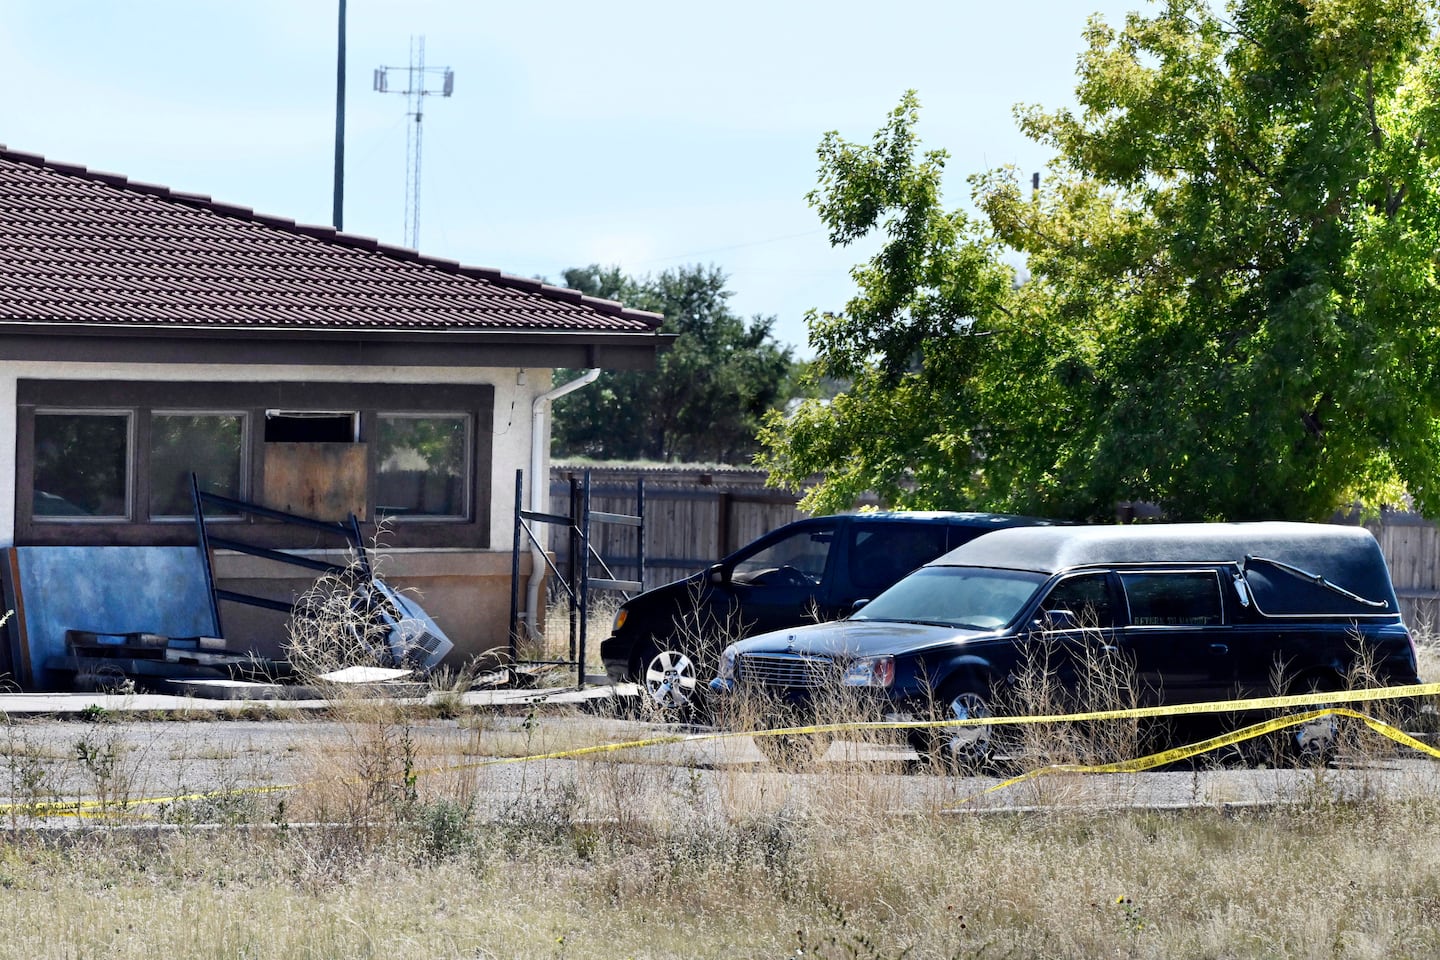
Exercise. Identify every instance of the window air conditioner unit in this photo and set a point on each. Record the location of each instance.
(412, 637)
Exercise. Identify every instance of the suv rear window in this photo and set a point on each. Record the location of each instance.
(1179, 599)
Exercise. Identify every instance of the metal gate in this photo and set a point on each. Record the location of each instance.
(575, 582)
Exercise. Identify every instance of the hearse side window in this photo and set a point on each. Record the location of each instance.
(1086, 596)
(1173, 599)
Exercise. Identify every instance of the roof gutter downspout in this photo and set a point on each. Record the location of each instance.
(540, 488)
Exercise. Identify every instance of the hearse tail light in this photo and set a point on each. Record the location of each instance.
(870, 672)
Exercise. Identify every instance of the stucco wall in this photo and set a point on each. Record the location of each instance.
(466, 591)
(510, 431)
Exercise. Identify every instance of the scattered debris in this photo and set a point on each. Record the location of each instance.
(114, 662)
(363, 675)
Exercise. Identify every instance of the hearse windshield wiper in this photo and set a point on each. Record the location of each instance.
(1314, 578)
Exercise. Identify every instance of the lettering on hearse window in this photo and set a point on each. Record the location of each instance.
(1173, 599)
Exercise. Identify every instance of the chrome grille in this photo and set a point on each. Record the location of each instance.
(785, 670)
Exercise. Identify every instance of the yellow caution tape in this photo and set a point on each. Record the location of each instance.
(1367, 695)
(82, 808)
(1176, 754)
(89, 808)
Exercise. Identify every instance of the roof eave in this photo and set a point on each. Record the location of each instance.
(30, 342)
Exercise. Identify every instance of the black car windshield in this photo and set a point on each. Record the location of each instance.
(975, 597)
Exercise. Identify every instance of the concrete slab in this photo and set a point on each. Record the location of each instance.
(229, 695)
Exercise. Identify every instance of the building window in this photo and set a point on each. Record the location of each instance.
(211, 445)
(109, 462)
(421, 463)
(82, 465)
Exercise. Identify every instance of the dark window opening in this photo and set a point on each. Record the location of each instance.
(291, 427)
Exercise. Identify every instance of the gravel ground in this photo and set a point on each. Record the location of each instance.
(47, 760)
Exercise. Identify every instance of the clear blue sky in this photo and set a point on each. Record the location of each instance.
(636, 133)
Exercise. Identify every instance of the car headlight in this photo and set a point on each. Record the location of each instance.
(726, 670)
(620, 616)
(870, 672)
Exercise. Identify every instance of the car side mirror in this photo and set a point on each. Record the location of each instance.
(1058, 619)
(716, 574)
(858, 604)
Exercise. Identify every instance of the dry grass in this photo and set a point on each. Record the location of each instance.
(401, 841)
(1330, 880)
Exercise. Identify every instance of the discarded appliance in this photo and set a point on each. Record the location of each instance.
(412, 639)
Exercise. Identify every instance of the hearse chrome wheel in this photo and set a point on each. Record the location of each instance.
(966, 749)
(670, 679)
(1315, 741)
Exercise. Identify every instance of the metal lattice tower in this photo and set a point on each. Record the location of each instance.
(415, 93)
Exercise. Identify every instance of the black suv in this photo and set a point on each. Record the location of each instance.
(1193, 612)
(811, 570)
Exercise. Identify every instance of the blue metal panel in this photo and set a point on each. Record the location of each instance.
(109, 590)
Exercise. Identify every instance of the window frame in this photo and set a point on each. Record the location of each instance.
(141, 400)
(245, 456)
(130, 495)
(467, 457)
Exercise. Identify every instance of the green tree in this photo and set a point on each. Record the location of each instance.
(1231, 300)
(705, 400)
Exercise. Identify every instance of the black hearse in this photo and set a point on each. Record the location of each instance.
(805, 571)
(1197, 611)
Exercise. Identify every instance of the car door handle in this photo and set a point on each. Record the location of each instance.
(1108, 648)
(1219, 649)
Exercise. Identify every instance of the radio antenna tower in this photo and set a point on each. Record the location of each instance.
(415, 92)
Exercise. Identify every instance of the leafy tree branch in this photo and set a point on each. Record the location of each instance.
(1230, 302)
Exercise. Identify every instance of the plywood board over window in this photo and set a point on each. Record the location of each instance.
(321, 480)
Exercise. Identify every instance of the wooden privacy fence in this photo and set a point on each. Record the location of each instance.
(1411, 545)
(694, 516)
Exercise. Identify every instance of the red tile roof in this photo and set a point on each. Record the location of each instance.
(80, 247)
